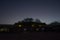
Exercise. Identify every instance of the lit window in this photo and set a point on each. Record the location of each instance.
(32, 25)
(20, 25)
(2, 29)
(37, 29)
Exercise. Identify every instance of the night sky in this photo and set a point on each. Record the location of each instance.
(12, 11)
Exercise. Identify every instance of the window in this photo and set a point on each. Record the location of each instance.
(20, 25)
(37, 29)
(1, 29)
(32, 25)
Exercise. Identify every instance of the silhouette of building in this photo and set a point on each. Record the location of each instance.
(27, 24)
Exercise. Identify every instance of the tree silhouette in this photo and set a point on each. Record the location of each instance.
(55, 23)
(28, 20)
(38, 21)
(54, 26)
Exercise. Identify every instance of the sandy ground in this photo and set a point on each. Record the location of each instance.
(30, 36)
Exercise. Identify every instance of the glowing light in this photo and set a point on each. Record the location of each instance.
(32, 25)
(2, 29)
(37, 29)
(20, 25)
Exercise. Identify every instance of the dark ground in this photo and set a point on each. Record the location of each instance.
(30, 36)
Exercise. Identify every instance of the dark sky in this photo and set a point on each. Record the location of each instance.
(12, 11)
